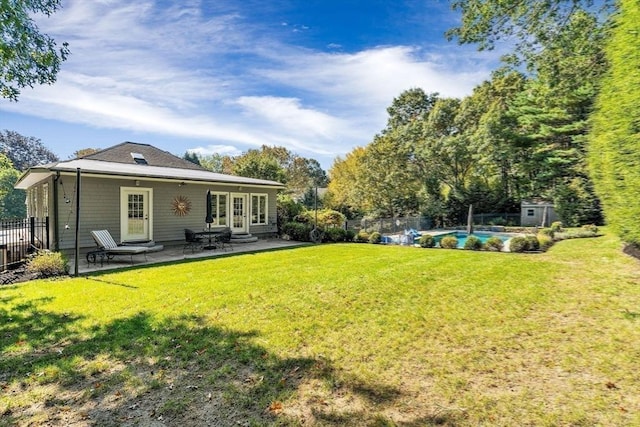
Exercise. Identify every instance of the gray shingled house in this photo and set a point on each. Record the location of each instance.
(141, 193)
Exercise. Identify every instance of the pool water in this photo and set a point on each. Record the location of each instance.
(462, 237)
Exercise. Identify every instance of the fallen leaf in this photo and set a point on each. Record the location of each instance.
(275, 407)
(611, 386)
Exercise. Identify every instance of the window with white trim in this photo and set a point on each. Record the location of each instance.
(219, 202)
(259, 209)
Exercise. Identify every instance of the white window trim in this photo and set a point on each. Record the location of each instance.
(216, 222)
(256, 221)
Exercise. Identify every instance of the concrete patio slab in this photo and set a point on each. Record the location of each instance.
(176, 253)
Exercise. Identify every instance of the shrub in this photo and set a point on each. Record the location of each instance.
(546, 232)
(361, 237)
(326, 218)
(297, 231)
(349, 236)
(532, 243)
(473, 243)
(48, 264)
(449, 242)
(556, 226)
(545, 242)
(518, 244)
(335, 234)
(494, 244)
(375, 238)
(591, 228)
(427, 241)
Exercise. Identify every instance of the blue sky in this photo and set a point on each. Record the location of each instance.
(225, 76)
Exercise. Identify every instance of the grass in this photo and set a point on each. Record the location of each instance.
(345, 334)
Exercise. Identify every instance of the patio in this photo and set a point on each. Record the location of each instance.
(176, 253)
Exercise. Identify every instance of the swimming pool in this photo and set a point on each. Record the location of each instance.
(462, 236)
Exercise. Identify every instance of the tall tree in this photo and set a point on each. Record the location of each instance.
(214, 162)
(11, 200)
(614, 151)
(192, 157)
(345, 194)
(24, 151)
(27, 56)
(531, 24)
(412, 105)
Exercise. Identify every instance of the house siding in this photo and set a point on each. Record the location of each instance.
(100, 209)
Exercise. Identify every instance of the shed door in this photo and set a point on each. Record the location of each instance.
(135, 214)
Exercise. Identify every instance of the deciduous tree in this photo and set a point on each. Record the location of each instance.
(24, 151)
(27, 56)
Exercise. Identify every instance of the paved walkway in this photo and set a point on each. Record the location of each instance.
(176, 253)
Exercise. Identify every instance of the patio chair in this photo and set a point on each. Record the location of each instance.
(108, 248)
(192, 241)
(223, 240)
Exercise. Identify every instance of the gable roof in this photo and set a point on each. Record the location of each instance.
(128, 152)
(160, 165)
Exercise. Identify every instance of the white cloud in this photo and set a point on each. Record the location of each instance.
(174, 71)
(225, 150)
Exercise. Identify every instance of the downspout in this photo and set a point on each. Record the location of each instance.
(56, 243)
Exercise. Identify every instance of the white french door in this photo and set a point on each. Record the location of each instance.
(238, 213)
(135, 213)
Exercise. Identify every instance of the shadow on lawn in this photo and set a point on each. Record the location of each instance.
(142, 370)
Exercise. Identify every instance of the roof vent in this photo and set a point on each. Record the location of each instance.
(139, 159)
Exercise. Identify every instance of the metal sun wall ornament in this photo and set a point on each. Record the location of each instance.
(181, 206)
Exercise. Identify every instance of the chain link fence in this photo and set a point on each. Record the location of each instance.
(400, 224)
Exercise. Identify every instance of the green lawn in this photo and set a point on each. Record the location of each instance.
(346, 334)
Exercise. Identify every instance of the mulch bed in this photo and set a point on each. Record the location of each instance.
(16, 275)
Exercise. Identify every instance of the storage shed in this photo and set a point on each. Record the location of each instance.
(537, 212)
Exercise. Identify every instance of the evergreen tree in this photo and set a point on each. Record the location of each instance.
(614, 151)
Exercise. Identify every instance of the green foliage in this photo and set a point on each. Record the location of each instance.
(532, 243)
(215, 333)
(614, 142)
(287, 209)
(48, 264)
(349, 236)
(28, 57)
(375, 238)
(546, 232)
(427, 241)
(335, 234)
(192, 157)
(449, 242)
(297, 231)
(545, 242)
(556, 226)
(530, 25)
(361, 237)
(326, 218)
(494, 243)
(23, 151)
(11, 200)
(473, 243)
(577, 233)
(518, 244)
